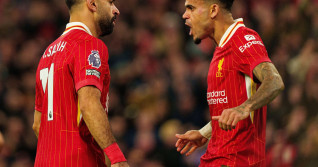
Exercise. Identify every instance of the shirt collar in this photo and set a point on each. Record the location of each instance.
(78, 26)
(230, 31)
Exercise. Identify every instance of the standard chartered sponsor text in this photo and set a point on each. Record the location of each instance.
(217, 97)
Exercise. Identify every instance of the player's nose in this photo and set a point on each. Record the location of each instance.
(116, 11)
(185, 15)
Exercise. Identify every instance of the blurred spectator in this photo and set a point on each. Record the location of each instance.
(168, 156)
(282, 153)
(308, 147)
(298, 66)
(296, 123)
(159, 77)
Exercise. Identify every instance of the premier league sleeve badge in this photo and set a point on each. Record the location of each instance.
(94, 59)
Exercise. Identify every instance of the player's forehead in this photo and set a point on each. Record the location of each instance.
(193, 3)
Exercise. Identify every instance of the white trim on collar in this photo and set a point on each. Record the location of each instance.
(78, 26)
(230, 31)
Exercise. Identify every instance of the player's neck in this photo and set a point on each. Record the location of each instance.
(221, 26)
(84, 18)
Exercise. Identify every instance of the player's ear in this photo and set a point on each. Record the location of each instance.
(214, 10)
(91, 4)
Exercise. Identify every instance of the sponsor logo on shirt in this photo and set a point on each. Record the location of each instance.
(94, 59)
(249, 44)
(219, 73)
(217, 97)
(249, 37)
(93, 72)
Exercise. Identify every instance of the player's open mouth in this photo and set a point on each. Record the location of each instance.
(190, 32)
(114, 20)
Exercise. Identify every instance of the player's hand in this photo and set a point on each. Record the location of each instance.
(120, 164)
(190, 140)
(230, 117)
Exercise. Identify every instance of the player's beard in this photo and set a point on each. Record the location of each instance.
(106, 25)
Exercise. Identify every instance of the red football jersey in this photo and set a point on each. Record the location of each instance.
(74, 60)
(230, 83)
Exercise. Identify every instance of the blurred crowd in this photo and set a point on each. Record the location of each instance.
(158, 85)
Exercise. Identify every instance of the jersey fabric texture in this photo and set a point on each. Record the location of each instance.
(230, 83)
(74, 60)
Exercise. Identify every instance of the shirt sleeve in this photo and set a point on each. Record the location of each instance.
(90, 63)
(249, 52)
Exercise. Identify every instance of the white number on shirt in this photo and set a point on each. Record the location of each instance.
(46, 76)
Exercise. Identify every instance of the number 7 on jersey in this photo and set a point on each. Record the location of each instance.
(46, 76)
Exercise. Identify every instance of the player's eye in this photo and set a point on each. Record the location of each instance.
(190, 7)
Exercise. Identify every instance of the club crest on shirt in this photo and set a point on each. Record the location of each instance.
(94, 59)
(219, 73)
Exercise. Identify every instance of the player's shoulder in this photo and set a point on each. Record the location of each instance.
(78, 35)
(245, 38)
(91, 40)
(247, 34)
(82, 39)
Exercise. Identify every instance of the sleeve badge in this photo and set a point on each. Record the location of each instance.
(94, 59)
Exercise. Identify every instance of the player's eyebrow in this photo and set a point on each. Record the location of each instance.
(188, 6)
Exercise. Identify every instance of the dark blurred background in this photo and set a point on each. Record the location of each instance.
(158, 85)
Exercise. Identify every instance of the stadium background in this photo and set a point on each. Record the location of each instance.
(158, 85)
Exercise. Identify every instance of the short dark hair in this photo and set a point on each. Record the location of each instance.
(71, 3)
(226, 4)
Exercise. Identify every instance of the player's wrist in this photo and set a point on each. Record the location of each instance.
(249, 108)
(245, 107)
(206, 131)
(114, 153)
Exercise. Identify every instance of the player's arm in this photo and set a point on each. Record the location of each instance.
(1, 141)
(193, 139)
(37, 122)
(97, 122)
(271, 85)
